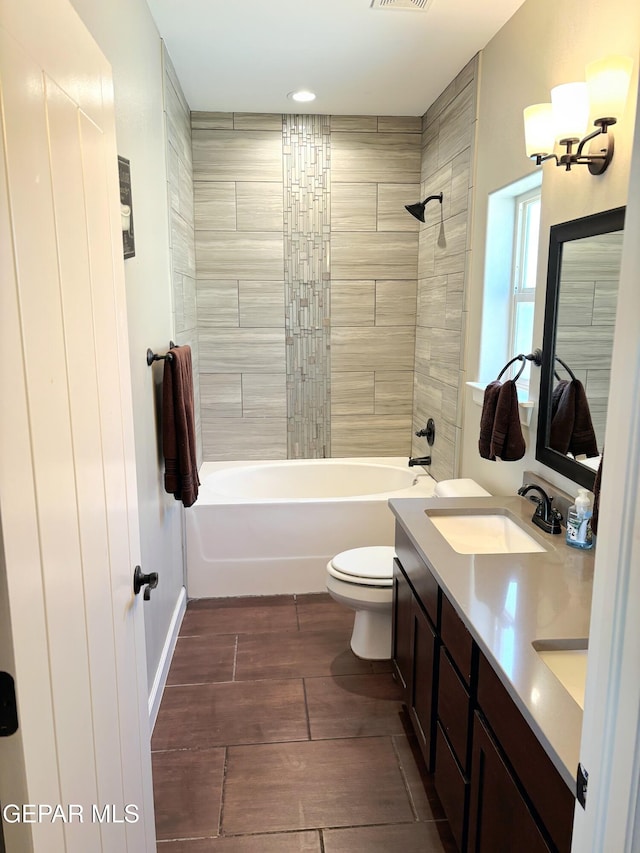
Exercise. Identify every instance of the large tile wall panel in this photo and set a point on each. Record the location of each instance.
(375, 157)
(448, 133)
(259, 206)
(237, 155)
(377, 255)
(374, 434)
(225, 255)
(181, 223)
(241, 350)
(228, 439)
(215, 205)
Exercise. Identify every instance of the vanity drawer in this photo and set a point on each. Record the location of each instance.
(453, 709)
(545, 788)
(418, 573)
(452, 788)
(457, 639)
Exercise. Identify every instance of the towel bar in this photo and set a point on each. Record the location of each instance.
(152, 356)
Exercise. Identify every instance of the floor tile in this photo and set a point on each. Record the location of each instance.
(290, 842)
(422, 792)
(433, 837)
(198, 660)
(306, 653)
(354, 706)
(313, 784)
(187, 787)
(239, 615)
(319, 612)
(207, 715)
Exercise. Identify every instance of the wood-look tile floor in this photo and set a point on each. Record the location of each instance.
(273, 737)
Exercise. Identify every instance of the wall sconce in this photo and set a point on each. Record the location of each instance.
(565, 120)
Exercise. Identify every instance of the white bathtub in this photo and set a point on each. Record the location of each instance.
(269, 528)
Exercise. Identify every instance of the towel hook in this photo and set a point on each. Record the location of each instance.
(152, 356)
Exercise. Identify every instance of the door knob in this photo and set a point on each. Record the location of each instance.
(148, 581)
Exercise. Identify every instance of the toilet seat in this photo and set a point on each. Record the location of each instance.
(368, 566)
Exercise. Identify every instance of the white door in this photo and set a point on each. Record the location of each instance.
(68, 510)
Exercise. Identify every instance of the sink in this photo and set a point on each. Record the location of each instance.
(567, 660)
(486, 533)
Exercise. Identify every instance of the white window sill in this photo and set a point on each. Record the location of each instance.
(525, 406)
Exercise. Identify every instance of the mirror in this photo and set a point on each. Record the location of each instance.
(579, 319)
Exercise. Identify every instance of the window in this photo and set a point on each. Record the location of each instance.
(523, 278)
(511, 260)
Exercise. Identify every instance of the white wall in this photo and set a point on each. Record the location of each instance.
(128, 37)
(542, 45)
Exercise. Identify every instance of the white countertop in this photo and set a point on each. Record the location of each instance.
(508, 601)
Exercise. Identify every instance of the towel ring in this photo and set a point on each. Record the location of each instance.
(566, 367)
(521, 358)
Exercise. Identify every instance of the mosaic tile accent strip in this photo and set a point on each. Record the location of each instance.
(307, 205)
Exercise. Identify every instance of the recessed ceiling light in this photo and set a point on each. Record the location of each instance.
(302, 95)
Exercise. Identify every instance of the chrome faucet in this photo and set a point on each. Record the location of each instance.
(545, 517)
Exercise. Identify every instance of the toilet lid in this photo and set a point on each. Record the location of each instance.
(374, 563)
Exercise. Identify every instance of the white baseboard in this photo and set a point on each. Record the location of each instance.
(157, 690)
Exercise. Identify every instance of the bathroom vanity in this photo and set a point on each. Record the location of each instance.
(475, 636)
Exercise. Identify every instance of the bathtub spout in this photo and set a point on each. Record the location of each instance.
(421, 460)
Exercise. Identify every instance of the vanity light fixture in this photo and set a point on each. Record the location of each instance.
(417, 209)
(565, 120)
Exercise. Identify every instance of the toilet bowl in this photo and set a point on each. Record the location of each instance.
(362, 579)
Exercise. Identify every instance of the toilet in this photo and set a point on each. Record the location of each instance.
(362, 579)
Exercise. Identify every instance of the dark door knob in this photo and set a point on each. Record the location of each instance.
(148, 581)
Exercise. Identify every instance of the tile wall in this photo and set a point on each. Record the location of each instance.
(306, 283)
(447, 166)
(375, 171)
(329, 322)
(181, 222)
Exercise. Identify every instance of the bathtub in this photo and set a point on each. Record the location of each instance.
(269, 528)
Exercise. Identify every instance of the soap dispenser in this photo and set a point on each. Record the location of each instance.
(579, 534)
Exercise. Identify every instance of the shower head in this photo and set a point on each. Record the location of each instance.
(417, 209)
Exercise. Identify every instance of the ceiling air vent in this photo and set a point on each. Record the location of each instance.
(406, 5)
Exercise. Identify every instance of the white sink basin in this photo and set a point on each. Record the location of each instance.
(569, 665)
(484, 534)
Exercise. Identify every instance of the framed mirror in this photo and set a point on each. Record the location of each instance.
(579, 320)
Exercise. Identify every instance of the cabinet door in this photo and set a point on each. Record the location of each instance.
(422, 706)
(500, 820)
(402, 629)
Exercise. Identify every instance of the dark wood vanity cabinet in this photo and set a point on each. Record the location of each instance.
(414, 657)
(500, 820)
(498, 788)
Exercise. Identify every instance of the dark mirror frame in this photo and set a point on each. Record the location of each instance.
(576, 229)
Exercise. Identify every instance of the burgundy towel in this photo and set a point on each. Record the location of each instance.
(583, 437)
(596, 495)
(571, 427)
(507, 441)
(178, 427)
(487, 418)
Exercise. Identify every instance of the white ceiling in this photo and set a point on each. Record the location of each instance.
(246, 55)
